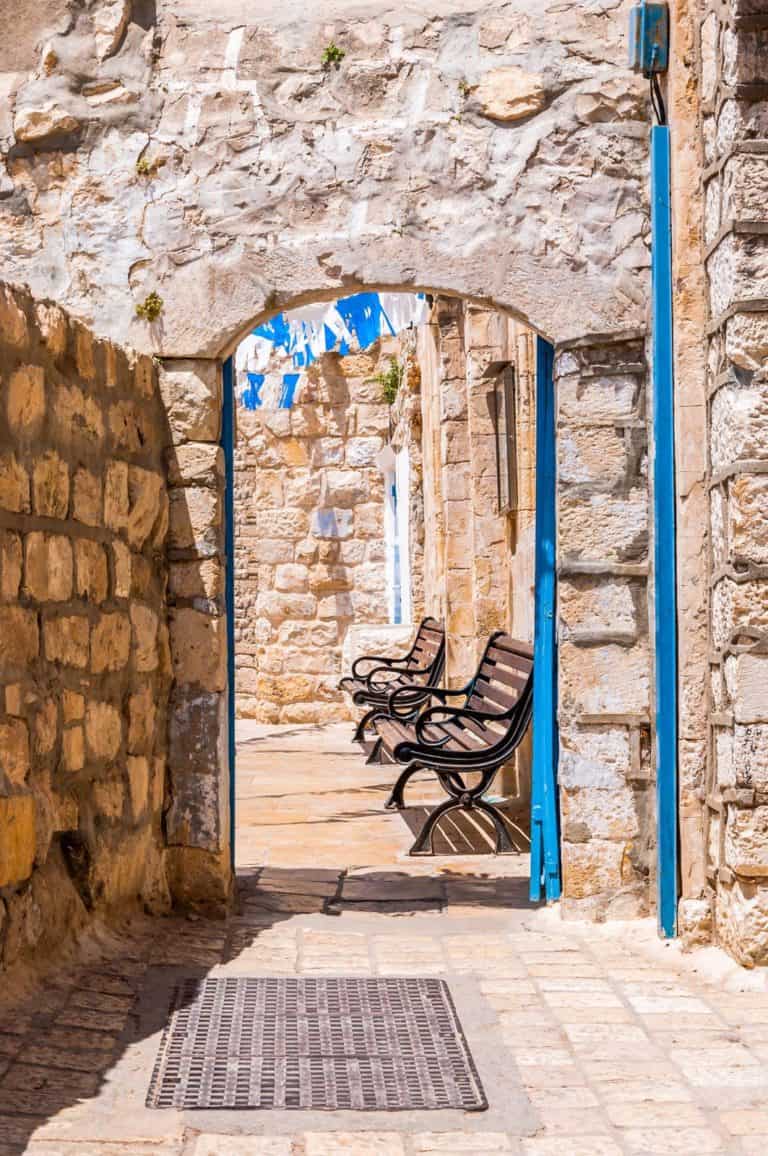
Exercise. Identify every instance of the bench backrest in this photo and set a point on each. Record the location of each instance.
(428, 650)
(503, 676)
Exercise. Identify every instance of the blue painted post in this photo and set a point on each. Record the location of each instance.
(665, 569)
(228, 444)
(545, 827)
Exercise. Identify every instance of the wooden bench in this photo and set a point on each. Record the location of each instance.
(472, 739)
(374, 677)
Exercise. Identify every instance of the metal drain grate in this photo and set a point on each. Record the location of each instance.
(365, 1044)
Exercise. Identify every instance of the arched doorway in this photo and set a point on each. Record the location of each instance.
(604, 685)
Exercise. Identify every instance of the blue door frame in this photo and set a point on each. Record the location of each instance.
(665, 534)
(545, 824)
(228, 445)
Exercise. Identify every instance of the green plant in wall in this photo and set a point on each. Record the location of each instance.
(332, 56)
(391, 380)
(465, 88)
(150, 308)
(147, 168)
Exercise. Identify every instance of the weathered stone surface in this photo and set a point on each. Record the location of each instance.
(746, 676)
(599, 609)
(593, 868)
(14, 484)
(122, 570)
(509, 94)
(25, 404)
(197, 730)
(198, 647)
(144, 627)
(19, 636)
(73, 748)
(138, 785)
(36, 125)
(65, 640)
(599, 815)
(598, 758)
(87, 499)
(13, 321)
(193, 818)
(48, 567)
(195, 520)
(14, 750)
(103, 730)
(50, 486)
(141, 721)
(191, 395)
(17, 846)
(146, 493)
(10, 565)
(91, 570)
(77, 416)
(604, 527)
(748, 510)
(197, 463)
(605, 680)
(110, 643)
(202, 578)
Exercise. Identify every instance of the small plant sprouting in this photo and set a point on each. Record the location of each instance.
(391, 380)
(332, 56)
(147, 168)
(465, 88)
(150, 308)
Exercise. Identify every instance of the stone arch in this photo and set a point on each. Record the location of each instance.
(603, 507)
(210, 305)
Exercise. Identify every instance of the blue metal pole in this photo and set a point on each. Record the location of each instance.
(545, 827)
(228, 445)
(665, 568)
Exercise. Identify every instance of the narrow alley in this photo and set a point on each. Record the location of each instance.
(590, 1040)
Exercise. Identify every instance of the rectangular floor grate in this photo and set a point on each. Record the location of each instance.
(319, 1043)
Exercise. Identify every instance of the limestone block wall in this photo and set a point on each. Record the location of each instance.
(310, 551)
(734, 90)
(478, 563)
(84, 655)
(180, 148)
(606, 775)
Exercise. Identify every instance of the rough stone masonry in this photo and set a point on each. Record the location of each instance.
(84, 652)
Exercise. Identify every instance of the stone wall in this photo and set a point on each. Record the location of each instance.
(204, 153)
(309, 529)
(606, 774)
(478, 572)
(734, 91)
(84, 656)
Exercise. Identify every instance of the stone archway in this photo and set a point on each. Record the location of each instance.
(605, 674)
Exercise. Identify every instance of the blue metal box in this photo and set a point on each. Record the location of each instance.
(649, 38)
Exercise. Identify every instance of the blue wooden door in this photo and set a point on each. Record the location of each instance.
(228, 445)
(545, 824)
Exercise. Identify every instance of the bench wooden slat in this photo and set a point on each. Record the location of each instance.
(513, 645)
(507, 677)
(498, 695)
(507, 658)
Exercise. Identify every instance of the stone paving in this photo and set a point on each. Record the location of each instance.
(593, 1040)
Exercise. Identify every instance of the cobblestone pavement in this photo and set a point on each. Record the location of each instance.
(589, 1040)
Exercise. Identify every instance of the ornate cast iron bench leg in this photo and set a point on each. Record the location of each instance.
(462, 798)
(397, 797)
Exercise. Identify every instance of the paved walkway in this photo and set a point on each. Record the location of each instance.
(589, 1040)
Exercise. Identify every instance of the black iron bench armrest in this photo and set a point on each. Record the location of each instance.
(383, 663)
(438, 714)
(404, 699)
(414, 671)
